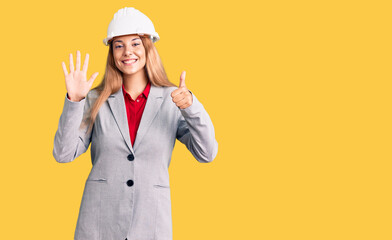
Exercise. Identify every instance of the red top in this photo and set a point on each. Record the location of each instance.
(135, 110)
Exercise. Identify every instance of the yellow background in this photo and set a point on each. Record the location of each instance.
(299, 93)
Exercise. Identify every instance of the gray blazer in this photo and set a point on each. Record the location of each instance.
(127, 192)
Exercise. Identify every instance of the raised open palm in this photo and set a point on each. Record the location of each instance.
(75, 81)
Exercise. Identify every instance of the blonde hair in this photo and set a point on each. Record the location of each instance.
(113, 80)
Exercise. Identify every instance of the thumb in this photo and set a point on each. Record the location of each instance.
(182, 79)
(92, 78)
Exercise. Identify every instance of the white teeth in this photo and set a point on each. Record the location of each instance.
(130, 61)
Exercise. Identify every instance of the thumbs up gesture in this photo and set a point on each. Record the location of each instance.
(182, 96)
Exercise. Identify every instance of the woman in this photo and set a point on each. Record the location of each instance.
(132, 120)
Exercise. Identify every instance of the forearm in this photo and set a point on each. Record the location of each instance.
(67, 142)
(199, 133)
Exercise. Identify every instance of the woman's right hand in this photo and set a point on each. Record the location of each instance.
(75, 81)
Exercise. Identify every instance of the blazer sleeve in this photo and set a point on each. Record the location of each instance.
(196, 131)
(71, 138)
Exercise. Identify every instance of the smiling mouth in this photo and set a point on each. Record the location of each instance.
(130, 62)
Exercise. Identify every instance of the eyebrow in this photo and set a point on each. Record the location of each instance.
(122, 41)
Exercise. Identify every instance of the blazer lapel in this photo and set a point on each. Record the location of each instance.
(117, 105)
(153, 104)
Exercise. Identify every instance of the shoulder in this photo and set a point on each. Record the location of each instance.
(169, 90)
(168, 103)
(162, 91)
(92, 95)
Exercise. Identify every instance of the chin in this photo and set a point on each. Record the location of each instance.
(130, 72)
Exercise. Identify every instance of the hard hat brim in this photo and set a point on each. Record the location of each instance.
(153, 38)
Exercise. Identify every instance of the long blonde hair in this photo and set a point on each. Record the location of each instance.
(113, 80)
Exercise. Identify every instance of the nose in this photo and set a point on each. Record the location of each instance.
(128, 50)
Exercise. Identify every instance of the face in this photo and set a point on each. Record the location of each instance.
(127, 49)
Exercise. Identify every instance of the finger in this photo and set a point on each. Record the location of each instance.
(92, 78)
(185, 105)
(182, 102)
(71, 66)
(85, 65)
(78, 60)
(178, 91)
(184, 94)
(182, 79)
(64, 69)
(178, 98)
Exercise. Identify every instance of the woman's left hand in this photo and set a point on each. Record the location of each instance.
(182, 97)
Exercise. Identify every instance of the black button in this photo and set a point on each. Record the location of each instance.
(129, 182)
(130, 157)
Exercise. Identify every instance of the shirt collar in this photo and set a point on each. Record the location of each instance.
(147, 89)
(145, 92)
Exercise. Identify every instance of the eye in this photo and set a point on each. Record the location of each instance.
(118, 46)
(136, 44)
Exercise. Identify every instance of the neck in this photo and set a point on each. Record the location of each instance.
(135, 83)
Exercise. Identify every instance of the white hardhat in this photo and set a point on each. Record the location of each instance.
(129, 20)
